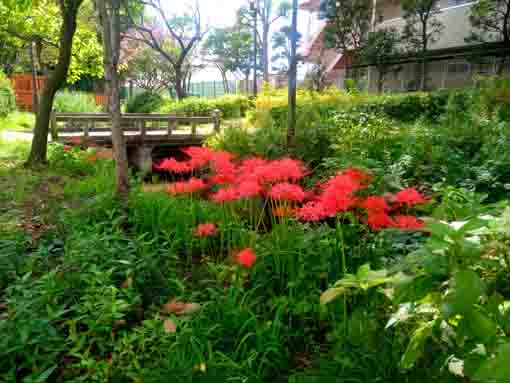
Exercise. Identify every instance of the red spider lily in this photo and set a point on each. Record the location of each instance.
(249, 189)
(193, 185)
(379, 220)
(200, 157)
(407, 222)
(174, 166)
(225, 195)
(375, 204)
(223, 179)
(343, 184)
(75, 140)
(409, 197)
(358, 175)
(335, 203)
(68, 148)
(287, 192)
(246, 258)
(283, 170)
(205, 230)
(312, 211)
(221, 156)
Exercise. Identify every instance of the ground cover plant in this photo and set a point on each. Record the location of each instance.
(380, 255)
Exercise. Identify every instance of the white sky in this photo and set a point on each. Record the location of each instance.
(220, 13)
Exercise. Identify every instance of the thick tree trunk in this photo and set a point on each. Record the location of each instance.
(110, 20)
(180, 91)
(38, 151)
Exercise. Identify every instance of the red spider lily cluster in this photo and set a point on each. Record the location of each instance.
(246, 258)
(227, 179)
(205, 230)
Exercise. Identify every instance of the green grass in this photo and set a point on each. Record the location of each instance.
(18, 121)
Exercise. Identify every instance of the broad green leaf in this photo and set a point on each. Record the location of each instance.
(497, 369)
(481, 327)
(467, 290)
(472, 225)
(416, 345)
(439, 229)
(331, 294)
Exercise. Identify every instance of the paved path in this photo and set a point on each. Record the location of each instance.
(11, 136)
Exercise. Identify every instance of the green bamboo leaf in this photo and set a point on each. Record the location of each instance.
(416, 346)
(331, 294)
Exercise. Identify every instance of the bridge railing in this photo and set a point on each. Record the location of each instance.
(135, 124)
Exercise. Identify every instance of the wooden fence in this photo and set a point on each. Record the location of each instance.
(24, 92)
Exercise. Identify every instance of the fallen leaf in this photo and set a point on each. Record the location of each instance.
(191, 308)
(127, 283)
(169, 326)
(173, 307)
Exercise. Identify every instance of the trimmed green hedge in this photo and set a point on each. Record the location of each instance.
(146, 102)
(231, 106)
(7, 98)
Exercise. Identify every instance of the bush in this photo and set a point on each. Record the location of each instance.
(146, 102)
(230, 106)
(75, 102)
(7, 99)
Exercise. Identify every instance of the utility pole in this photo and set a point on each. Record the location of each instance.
(291, 128)
(254, 5)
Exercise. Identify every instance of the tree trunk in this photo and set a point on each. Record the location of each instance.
(501, 66)
(35, 90)
(180, 79)
(291, 128)
(380, 80)
(111, 40)
(265, 51)
(38, 151)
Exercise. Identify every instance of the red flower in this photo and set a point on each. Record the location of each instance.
(375, 204)
(249, 189)
(206, 230)
(379, 220)
(249, 166)
(225, 171)
(174, 166)
(358, 175)
(75, 140)
(409, 197)
(312, 211)
(193, 185)
(246, 258)
(343, 184)
(335, 203)
(225, 195)
(287, 192)
(200, 156)
(408, 222)
(68, 148)
(283, 170)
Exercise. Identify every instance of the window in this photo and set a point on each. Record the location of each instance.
(458, 69)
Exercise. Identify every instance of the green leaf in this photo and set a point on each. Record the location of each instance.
(468, 288)
(439, 229)
(416, 345)
(331, 294)
(497, 369)
(472, 225)
(45, 375)
(481, 327)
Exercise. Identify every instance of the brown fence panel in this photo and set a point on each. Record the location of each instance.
(23, 89)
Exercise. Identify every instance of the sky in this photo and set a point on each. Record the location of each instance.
(219, 13)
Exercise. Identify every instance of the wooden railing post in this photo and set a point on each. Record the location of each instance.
(193, 129)
(217, 120)
(172, 124)
(53, 126)
(143, 129)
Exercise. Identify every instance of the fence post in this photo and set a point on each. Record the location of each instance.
(172, 124)
(217, 120)
(53, 126)
(143, 130)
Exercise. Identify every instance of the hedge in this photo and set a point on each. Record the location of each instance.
(231, 106)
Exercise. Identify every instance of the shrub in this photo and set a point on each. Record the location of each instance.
(146, 102)
(7, 99)
(230, 106)
(75, 102)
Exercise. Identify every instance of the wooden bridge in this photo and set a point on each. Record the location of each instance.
(142, 132)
